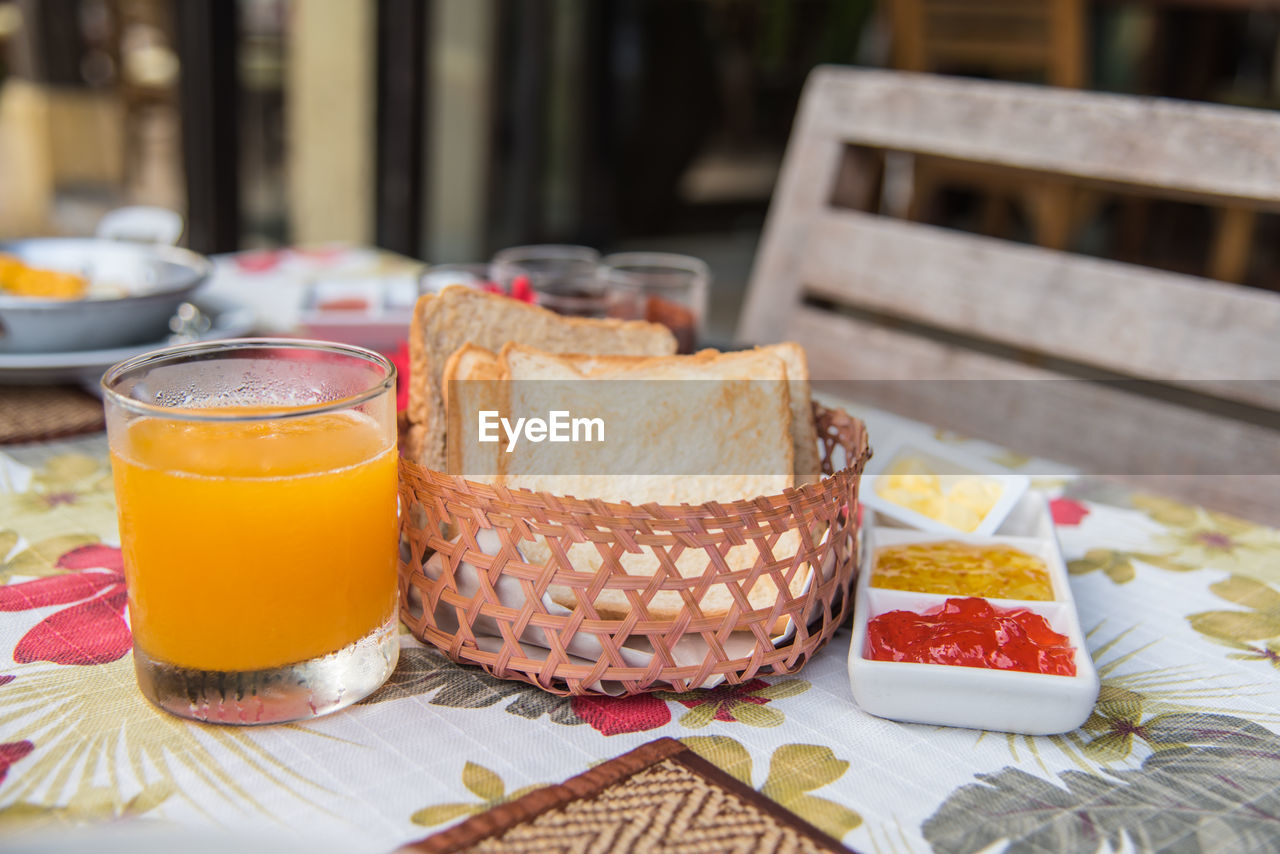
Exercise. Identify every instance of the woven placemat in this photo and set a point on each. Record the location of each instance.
(37, 413)
(660, 797)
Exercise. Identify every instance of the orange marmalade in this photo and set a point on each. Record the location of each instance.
(961, 569)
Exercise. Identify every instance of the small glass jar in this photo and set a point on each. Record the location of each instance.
(563, 277)
(660, 287)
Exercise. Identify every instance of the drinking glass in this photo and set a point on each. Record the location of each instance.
(255, 482)
(660, 287)
(563, 277)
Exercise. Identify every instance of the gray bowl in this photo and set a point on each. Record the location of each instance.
(152, 281)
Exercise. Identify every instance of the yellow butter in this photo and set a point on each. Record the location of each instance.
(959, 501)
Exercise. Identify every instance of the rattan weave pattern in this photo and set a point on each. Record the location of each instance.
(664, 808)
(444, 513)
(41, 413)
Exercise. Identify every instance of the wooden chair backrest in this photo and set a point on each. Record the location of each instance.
(1038, 37)
(874, 298)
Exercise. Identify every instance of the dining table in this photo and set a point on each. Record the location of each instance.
(1180, 607)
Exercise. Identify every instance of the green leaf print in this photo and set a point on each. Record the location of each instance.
(424, 671)
(1114, 564)
(482, 782)
(699, 716)
(758, 716)
(1238, 626)
(8, 539)
(479, 781)
(1212, 788)
(832, 818)
(723, 752)
(40, 559)
(795, 770)
(798, 768)
(1249, 631)
(1249, 593)
(94, 804)
(431, 816)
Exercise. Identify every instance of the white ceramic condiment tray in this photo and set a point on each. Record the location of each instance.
(1001, 700)
(943, 460)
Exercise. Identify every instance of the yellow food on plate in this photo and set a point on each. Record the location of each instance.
(959, 569)
(17, 279)
(9, 266)
(959, 501)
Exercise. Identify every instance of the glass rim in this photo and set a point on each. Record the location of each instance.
(181, 352)
(546, 252)
(623, 268)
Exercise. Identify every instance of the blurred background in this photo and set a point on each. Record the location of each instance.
(447, 129)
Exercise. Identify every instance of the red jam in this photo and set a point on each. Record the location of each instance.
(972, 633)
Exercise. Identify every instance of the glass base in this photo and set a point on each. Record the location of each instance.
(275, 695)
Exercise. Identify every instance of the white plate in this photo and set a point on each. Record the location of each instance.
(1000, 700)
(942, 460)
(86, 367)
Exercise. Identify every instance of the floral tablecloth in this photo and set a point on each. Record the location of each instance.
(1181, 607)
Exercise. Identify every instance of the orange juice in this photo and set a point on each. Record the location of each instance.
(256, 544)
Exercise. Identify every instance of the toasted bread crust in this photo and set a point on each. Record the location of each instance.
(459, 315)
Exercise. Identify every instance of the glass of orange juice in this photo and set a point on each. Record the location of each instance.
(256, 489)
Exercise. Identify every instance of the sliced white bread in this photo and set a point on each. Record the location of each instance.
(727, 414)
(475, 363)
(460, 315)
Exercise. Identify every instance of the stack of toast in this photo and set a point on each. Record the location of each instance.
(705, 427)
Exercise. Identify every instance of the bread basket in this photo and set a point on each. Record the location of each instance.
(451, 517)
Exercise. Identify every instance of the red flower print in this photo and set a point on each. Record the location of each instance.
(1067, 512)
(56, 590)
(400, 358)
(260, 261)
(93, 630)
(321, 254)
(91, 557)
(11, 753)
(744, 704)
(615, 715)
(522, 290)
(726, 697)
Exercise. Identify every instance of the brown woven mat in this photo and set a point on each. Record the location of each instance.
(36, 413)
(660, 797)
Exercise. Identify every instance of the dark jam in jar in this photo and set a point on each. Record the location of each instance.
(971, 633)
(574, 302)
(680, 320)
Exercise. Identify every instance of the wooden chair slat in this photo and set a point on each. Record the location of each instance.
(1205, 149)
(1095, 426)
(1122, 318)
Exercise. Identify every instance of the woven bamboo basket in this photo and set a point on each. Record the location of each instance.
(450, 517)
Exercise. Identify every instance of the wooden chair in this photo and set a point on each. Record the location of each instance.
(1027, 40)
(1179, 374)
(1037, 40)
(1041, 39)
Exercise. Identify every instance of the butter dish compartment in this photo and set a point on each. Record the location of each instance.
(976, 697)
(922, 463)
